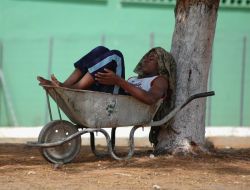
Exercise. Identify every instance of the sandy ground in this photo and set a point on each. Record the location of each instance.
(228, 167)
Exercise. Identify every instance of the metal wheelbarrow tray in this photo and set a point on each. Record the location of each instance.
(60, 140)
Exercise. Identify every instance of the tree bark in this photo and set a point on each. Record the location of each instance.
(192, 50)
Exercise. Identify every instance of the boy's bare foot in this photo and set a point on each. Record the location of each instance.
(43, 81)
(55, 81)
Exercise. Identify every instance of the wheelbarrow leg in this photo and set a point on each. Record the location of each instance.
(113, 130)
(93, 149)
(92, 143)
(111, 144)
(131, 142)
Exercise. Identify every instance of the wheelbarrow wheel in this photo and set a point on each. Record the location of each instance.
(56, 131)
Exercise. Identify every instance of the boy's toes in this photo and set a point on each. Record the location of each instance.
(39, 78)
(43, 81)
(53, 78)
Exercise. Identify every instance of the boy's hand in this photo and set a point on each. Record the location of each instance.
(107, 78)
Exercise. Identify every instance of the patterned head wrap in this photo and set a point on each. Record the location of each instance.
(166, 67)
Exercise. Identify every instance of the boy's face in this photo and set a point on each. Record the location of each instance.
(150, 64)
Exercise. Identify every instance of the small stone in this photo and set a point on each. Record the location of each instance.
(156, 187)
(58, 166)
(123, 174)
(31, 172)
(151, 156)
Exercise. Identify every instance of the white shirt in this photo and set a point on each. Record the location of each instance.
(143, 83)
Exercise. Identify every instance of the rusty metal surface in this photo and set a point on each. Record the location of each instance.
(101, 110)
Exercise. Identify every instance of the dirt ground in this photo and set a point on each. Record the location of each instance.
(228, 167)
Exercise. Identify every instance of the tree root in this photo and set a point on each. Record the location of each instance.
(186, 148)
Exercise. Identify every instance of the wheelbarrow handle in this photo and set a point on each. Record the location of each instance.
(203, 94)
(199, 95)
(178, 108)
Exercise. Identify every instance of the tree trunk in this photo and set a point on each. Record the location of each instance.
(192, 50)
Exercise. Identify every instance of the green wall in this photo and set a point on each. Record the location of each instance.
(232, 27)
(37, 33)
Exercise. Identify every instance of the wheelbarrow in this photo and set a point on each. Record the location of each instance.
(89, 112)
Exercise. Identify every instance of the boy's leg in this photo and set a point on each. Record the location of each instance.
(83, 63)
(80, 67)
(112, 60)
(73, 78)
(85, 82)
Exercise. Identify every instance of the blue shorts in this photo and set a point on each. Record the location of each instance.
(96, 61)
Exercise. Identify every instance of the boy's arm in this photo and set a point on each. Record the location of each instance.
(157, 91)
